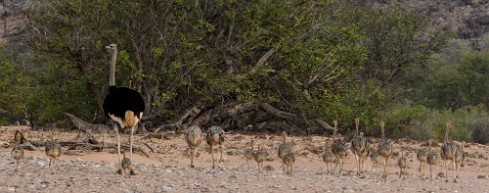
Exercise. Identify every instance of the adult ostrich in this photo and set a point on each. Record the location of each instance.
(124, 106)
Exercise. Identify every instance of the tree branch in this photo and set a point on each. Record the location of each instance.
(84, 126)
(283, 115)
(263, 59)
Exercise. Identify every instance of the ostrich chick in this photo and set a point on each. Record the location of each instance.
(402, 162)
(126, 165)
(360, 147)
(260, 156)
(384, 149)
(328, 158)
(250, 153)
(17, 153)
(338, 148)
(422, 156)
(432, 158)
(289, 160)
(283, 148)
(459, 155)
(375, 158)
(18, 150)
(215, 136)
(193, 136)
(53, 151)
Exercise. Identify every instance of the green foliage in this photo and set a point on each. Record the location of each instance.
(455, 86)
(399, 42)
(11, 94)
(454, 51)
(415, 122)
(314, 59)
(56, 90)
(479, 131)
(460, 120)
(419, 122)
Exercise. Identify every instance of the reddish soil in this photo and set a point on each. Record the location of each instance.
(167, 169)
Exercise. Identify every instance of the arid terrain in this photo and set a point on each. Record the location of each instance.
(167, 169)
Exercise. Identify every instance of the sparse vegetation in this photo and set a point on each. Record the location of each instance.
(479, 131)
(294, 64)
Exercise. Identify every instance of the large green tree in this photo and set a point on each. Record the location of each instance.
(400, 43)
(12, 105)
(295, 63)
(454, 86)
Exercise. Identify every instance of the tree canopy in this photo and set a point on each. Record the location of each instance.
(268, 65)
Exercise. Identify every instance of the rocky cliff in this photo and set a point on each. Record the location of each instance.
(13, 21)
(469, 18)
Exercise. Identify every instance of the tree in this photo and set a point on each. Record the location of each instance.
(68, 39)
(457, 85)
(235, 63)
(399, 42)
(12, 91)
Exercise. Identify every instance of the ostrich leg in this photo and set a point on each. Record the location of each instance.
(116, 130)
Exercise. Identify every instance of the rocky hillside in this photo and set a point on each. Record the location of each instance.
(469, 18)
(13, 22)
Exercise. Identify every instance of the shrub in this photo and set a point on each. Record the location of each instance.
(479, 131)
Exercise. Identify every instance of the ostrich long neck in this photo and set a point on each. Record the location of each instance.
(112, 68)
(357, 124)
(382, 130)
(446, 134)
(17, 139)
(335, 123)
(334, 134)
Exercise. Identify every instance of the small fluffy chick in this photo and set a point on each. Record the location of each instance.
(260, 156)
(289, 160)
(53, 151)
(18, 150)
(193, 136)
(126, 165)
(17, 153)
(328, 158)
(402, 162)
(215, 136)
(250, 153)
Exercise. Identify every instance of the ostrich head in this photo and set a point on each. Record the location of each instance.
(111, 47)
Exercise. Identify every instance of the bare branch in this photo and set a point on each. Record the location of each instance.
(323, 124)
(263, 59)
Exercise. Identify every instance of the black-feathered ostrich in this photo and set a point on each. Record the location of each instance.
(124, 106)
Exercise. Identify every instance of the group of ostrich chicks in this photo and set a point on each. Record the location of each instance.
(333, 153)
(337, 151)
(53, 151)
(215, 136)
(360, 147)
(52, 148)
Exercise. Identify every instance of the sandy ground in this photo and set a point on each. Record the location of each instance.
(167, 169)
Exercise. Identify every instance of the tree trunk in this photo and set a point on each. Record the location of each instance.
(84, 126)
